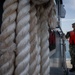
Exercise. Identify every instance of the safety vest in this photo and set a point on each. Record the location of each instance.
(72, 37)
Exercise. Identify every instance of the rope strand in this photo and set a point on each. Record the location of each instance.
(23, 38)
(7, 38)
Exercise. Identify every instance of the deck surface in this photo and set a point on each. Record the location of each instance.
(59, 71)
(56, 71)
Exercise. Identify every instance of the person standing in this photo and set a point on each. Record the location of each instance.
(71, 36)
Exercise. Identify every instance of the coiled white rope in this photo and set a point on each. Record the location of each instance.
(39, 49)
(44, 35)
(52, 20)
(45, 60)
(7, 37)
(34, 69)
(38, 56)
(23, 38)
(6, 63)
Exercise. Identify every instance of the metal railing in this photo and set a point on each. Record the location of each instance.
(63, 56)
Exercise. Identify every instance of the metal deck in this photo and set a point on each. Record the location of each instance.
(56, 71)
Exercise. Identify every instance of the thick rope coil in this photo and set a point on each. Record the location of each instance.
(6, 63)
(39, 48)
(39, 1)
(43, 28)
(7, 37)
(38, 44)
(43, 13)
(52, 20)
(45, 60)
(34, 69)
(23, 38)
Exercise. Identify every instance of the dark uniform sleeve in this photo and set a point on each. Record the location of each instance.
(67, 35)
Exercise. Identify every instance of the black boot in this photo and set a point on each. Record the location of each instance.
(72, 69)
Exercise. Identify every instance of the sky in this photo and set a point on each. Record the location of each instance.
(66, 23)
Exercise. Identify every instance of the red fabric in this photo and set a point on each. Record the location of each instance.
(52, 38)
(72, 37)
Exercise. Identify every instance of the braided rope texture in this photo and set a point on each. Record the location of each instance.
(43, 13)
(34, 67)
(39, 49)
(52, 20)
(7, 37)
(23, 38)
(44, 35)
(32, 53)
(38, 54)
(45, 61)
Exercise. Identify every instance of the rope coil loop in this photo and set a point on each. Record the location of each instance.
(23, 38)
(7, 38)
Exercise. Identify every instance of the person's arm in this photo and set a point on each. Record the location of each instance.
(67, 35)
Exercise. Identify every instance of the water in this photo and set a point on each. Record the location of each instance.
(67, 50)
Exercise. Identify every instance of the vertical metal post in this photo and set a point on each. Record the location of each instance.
(60, 29)
(59, 13)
